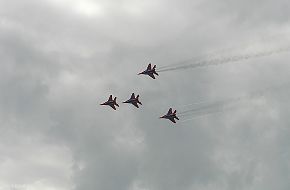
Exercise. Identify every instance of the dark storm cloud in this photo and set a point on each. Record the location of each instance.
(60, 59)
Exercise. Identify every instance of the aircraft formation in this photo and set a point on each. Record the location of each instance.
(134, 100)
(153, 72)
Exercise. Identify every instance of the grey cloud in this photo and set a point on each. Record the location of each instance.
(58, 65)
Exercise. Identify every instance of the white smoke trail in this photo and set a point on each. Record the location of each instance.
(225, 60)
(216, 105)
(200, 102)
(201, 115)
(198, 115)
(280, 38)
(212, 107)
(209, 105)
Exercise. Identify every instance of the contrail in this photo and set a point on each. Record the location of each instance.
(225, 60)
(211, 107)
(196, 58)
(201, 102)
(200, 108)
(202, 114)
(207, 114)
(231, 48)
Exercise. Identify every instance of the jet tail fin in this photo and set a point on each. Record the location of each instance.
(115, 101)
(154, 71)
(149, 67)
(169, 111)
(137, 97)
(175, 115)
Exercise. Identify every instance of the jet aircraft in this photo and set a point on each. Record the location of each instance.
(134, 100)
(170, 115)
(111, 102)
(150, 71)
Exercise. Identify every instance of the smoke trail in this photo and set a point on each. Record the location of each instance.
(193, 59)
(205, 109)
(219, 61)
(197, 103)
(217, 105)
(207, 114)
(202, 111)
(199, 109)
(230, 103)
(231, 48)
(209, 105)
(201, 115)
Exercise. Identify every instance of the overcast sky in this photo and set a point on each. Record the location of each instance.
(59, 59)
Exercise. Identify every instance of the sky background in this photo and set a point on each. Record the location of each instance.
(59, 59)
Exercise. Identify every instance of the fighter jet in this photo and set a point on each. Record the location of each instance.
(111, 102)
(150, 71)
(134, 100)
(170, 115)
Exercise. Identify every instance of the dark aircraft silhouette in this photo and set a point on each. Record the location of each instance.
(134, 100)
(150, 71)
(111, 102)
(170, 115)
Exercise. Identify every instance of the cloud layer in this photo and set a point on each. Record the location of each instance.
(60, 59)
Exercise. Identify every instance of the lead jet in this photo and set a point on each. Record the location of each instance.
(134, 100)
(150, 71)
(111, 102)
(170, 115)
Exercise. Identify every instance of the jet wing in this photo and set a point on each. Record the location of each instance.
(135, 104)
(151, 75)
(111, 97)
(113, 106)
(132, 96)
(172, 119)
